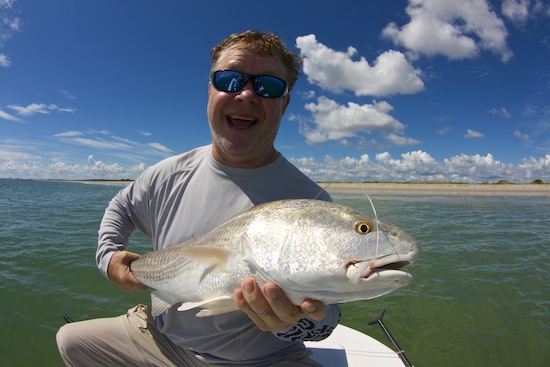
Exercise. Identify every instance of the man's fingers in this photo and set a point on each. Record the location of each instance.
(242, 303)
(262, 308)
(119, 271)
(269, 308)
(282, 307)
(314, 309)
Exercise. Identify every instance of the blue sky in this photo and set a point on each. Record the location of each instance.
(423, 90)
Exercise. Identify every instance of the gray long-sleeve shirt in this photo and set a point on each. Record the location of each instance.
(185, 196)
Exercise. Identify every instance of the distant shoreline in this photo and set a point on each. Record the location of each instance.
(436, 189)
(407, 188)
(107, 182)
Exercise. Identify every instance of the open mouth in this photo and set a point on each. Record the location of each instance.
(356, 270)
(241, 122)
(398, 265)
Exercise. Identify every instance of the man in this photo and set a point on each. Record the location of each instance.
(187, 195)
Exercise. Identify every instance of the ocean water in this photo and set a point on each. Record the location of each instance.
(480, 295)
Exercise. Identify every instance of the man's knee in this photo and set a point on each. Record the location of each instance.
(89, 342)
(66, 342)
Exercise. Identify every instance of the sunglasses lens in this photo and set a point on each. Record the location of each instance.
(269, 86)
(228, 81)
(264, 85)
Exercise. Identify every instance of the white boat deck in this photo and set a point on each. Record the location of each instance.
(347, 347)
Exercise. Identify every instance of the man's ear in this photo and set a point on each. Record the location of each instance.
(285, 103)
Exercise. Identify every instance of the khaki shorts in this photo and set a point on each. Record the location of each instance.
(133, 340)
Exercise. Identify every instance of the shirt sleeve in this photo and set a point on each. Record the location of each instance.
(311, 330)
(115, 231)
(126, 212)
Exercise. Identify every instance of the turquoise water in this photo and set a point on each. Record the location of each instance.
(480, 296)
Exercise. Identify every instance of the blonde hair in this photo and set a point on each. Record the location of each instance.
(264, 44)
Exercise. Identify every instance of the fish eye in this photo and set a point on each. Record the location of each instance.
(363, 227)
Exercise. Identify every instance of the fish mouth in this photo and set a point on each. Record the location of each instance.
(357, 270)
(398, 265)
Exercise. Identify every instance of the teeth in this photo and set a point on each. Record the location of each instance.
(241, 122)
(242, 118)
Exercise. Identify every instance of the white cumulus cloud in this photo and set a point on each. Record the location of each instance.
(336, 71)
(516, 10)
(333, 121)
(418, 162)
(455, 29)
(534, 168)
(421, 166)
(62, 170)
(477, 168)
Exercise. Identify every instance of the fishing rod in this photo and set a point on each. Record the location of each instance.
(67, 319)
(400, 352)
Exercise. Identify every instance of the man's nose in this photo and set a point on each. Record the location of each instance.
(248, 91)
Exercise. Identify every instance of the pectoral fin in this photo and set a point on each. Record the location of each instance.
(211, 307)
(215, 258)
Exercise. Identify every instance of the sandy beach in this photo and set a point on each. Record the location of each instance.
(431, 189)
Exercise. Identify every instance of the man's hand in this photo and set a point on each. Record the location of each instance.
(269, 307)
(119, 271)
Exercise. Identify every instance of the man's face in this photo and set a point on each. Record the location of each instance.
(244, 125)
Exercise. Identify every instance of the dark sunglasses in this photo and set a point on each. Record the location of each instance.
(264, 85)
